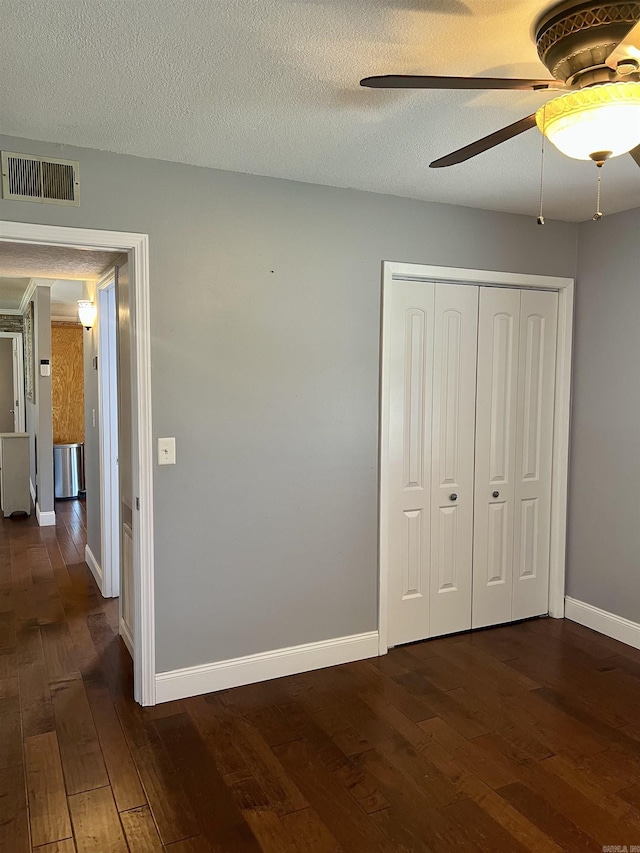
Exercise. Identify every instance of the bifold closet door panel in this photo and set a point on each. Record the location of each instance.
(452, 460)
(534, 453)
(495, 468)
(410, 315)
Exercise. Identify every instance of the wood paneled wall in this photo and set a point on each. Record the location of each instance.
(67, 383)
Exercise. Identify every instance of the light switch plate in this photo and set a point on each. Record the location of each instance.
(166, 451)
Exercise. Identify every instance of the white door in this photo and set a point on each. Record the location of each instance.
(432, 374)
(496, 413)
(534, 453)
(410, 349)
(452, 460)
(471, 378)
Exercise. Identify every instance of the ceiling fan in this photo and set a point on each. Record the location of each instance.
(592, 50)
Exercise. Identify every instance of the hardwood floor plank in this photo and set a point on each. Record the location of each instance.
(162, 786)
(199, 844)
(310, 833)
(482, 830)
(48, 812)
(140, 831)
(14, 819)
(10, 724)
(66, 846)
(35, 697)
(335, 807)
(59, 651)
(82, 761)
(216, 813)
(96, 825)
(548, 819)
(123, 776)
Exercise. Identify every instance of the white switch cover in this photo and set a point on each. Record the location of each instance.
(166, 451)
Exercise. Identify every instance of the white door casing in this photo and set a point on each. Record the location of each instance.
(454, 395)
(534, 453)
(495, 416)
(396, 274)
(106, 330)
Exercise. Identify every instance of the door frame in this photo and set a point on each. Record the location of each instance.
(137, 248)
(108, 442)
(18, 379)
(392, 272)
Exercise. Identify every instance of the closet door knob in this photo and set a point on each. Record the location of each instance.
(496, 494)
(453, 497)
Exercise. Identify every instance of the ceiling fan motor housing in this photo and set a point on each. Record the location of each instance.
(575, 39)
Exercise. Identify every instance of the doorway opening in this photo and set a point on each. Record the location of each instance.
(11, 382)
(135, 532)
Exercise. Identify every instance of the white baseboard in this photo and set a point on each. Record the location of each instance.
(94, 565)
(125, 633)
(32, 489)
(45, 519)
(209, 677)
(606, 623)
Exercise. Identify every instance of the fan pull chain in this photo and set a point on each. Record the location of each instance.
(540, 219)
(597, 216)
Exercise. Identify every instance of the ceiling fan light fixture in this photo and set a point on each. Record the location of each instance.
(600, 118)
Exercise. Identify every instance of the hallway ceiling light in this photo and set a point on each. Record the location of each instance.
(594, 123)
(87, 313)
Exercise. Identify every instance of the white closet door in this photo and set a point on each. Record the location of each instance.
(410, 342)
(534, 452)
(495, 468)
(452, 460)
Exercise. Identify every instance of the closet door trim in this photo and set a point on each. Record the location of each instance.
(393, 272)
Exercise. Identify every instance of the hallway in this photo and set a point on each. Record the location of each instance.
(525, 737)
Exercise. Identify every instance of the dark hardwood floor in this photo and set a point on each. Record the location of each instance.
(524, 737)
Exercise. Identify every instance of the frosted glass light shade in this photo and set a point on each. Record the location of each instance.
(86, 313)
(600, 118)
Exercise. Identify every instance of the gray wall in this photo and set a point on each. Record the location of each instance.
(39, 415)
(265, 319)
(604, 487)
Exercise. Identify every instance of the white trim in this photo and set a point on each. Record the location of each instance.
(26, 296)
(32, 490)
(93, 564)
(137, 247)
(209, 677)
(45, 519)
(127, 638)
(603, 622)
(110, 528)
(17, 366)
(392, 271)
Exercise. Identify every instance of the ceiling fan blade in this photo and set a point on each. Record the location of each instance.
(629, 48)
(635, 153)
(485, 143)
(411, 81)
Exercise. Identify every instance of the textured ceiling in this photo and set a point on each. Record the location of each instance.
(28, 261)
(271, 87)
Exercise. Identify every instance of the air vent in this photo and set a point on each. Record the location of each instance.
(44, 179)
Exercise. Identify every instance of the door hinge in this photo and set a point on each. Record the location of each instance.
(137, 503)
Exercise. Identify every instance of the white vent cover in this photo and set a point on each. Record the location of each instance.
(26, 177)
